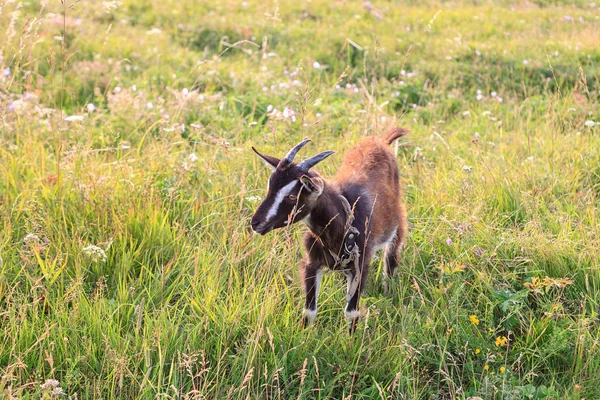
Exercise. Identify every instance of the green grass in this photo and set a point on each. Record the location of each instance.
(180, 300)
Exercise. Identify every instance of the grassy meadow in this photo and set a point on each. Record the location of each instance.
(127, 183)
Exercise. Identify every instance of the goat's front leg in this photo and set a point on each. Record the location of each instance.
(356, 279)
(311, 275)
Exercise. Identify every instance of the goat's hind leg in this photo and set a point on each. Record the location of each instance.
(390, 258)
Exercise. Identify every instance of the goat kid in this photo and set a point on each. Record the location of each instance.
(350, 216)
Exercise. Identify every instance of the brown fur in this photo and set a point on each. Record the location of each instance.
(372, 164)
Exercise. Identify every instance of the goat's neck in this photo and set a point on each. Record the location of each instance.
(327, 219)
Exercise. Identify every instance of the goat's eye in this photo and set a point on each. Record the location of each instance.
(292, 197)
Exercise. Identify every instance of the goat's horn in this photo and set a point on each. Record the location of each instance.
(290, 156)
(314, 160)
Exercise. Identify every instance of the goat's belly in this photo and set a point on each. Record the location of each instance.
(386, 239)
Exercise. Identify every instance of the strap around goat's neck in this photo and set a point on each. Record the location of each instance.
(349, 212)
(349, 249)
(349, 253)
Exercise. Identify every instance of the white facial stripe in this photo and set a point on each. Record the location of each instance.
(285, 191)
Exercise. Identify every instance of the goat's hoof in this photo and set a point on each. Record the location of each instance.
(352, 327)
(386, 288)
(308, 317)
(353, 317)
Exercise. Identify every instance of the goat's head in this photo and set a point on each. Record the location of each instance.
(292, 192)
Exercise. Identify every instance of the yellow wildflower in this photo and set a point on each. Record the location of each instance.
(477, 351)
(501, 341)
(502, 369)
(474, 319)
(486, 367)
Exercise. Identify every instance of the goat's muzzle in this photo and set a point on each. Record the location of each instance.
(260, 227)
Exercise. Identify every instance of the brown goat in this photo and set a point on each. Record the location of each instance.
(350, 216)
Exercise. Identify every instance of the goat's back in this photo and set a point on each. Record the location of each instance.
(372, 165)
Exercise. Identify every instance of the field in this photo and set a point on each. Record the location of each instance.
(127, 183)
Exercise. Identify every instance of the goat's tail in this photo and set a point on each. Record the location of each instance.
(393, 134)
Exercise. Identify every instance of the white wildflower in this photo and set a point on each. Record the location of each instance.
(154, 31)
(50, 384)
(466, 168)
(316, 65)
(193, 157)
(74, 118)
(253, 199)
(289, 113)
(590, 123)
(57, 391)
(90, 107)
(111, 5)
(95, 253)
(30, 237)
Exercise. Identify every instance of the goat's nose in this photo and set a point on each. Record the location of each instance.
(254, 223)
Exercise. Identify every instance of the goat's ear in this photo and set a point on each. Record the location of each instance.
(269, 161)
(312, 185)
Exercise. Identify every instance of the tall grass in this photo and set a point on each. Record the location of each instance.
(128, 269)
